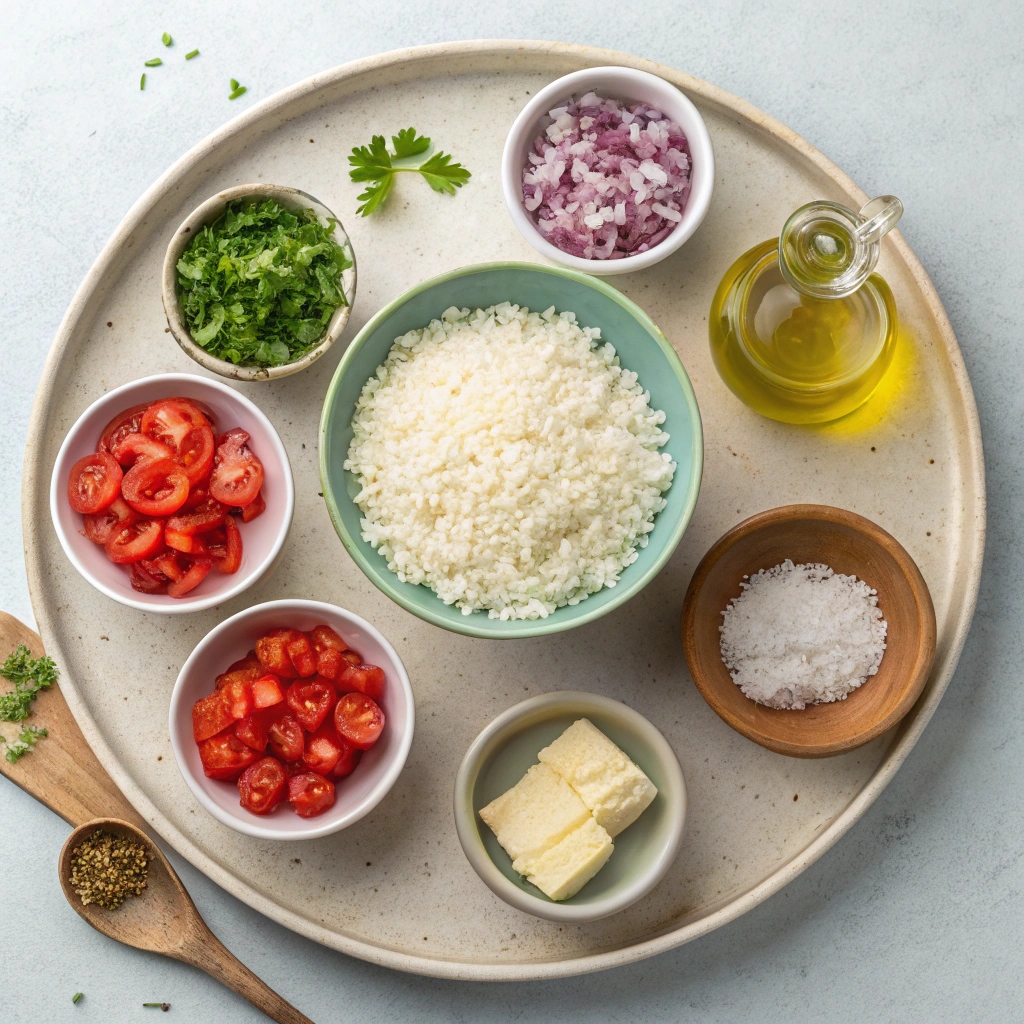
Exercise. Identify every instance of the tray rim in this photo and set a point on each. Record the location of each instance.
(36, 475)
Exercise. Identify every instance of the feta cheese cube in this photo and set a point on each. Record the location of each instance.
(538, 812)
(608, 782)
(564, 869)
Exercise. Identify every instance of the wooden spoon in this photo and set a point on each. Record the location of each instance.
(62, 772)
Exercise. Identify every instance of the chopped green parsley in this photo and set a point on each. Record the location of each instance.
(259, 285)
(29, 675)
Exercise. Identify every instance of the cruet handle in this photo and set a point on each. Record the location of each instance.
(880, 216)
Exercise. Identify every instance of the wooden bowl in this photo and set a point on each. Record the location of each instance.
(850, 544)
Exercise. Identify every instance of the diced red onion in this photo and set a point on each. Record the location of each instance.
(604, 181)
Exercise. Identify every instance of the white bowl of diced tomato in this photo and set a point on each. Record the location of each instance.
(291, 720)
(172, 493)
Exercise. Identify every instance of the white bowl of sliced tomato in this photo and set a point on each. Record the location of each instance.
(291, 719)
(172, 494)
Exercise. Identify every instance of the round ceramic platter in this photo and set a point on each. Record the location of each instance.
(395, 888)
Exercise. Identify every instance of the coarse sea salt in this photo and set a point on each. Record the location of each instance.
(802, 634)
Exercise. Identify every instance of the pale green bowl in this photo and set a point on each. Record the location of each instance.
(501, 755)
(641, 347)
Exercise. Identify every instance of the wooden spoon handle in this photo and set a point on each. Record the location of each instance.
(204, 950)
(61, 771)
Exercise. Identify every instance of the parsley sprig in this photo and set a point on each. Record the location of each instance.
(29, 675)
(375, 164)
(27, 739)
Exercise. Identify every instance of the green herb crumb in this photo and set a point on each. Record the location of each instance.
(76, 997)
(191, 54)
(240, 91)
(27, 739)
(154, 63)
(166, 39)
(234, 83)
(160, 1006)
(373, 164)
(142, 81)
(259, 285)
(29, 675)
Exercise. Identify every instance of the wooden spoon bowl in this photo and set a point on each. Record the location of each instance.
(849, 544)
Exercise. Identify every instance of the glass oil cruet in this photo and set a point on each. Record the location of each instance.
(801, 329)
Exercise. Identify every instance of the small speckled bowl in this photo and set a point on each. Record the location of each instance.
(293, 199)
(378, 768)
(500, 756)
(262, 539)
(630, 86)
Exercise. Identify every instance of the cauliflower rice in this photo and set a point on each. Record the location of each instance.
(507, 461)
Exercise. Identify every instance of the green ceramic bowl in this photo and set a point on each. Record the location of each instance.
(641, 347)
(500, 757)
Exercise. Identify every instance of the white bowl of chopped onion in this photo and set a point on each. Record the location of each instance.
(608, 170)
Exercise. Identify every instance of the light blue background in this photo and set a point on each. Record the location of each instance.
(916, 915)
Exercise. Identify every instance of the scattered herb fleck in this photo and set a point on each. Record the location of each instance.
(154, 63)
(27, 739)
(166, 39)
(191, 54)
(259, 285)
(162, 1006)
(29, 675)
(234, 83)
(108, 869)
(236, 90)
(76, 997)
(373, 164)
(142, 85)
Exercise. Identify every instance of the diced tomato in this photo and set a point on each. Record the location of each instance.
(194, 575)
(187, 544)
(266, 691)
(311, 701)
(134, 448)
(254, 729)
(323, 749)
(310, 794)
(272, 650)
(210, 715)
(359, 720)
(145, 581)
(255, 508)
(286, 739)
(124, 423)
(302, 655)
(196, 453)
(167, 564)
(368, 679)
(94, 483)
(328, 646)
(226, 550)
(238, 696)
(237, 473)
(196, 497)
(155, 488)
(134, 541)
(100, 525)
(207, 516)
(225, 756)
(263, 786)
(347, 762)
(248, 669)
(351, 657)
(171, 420)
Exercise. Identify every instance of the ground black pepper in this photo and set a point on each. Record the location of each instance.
(108, 869)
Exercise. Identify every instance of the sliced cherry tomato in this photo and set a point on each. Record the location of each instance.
(328, 646)
(255, 508)
(206, 516)
(185, 543)
(272, 650)
(302, 655)
(166, 563)
(368, 679)
(144, 581)
(134, 541)
(124, 423)
(94, 483)
(227, 553)
(323, 749)
(134, 448)
(196, 497)
(171, 420)
(254, 729)
(286, 739)
(225, 756)
(237, 473)
(196, 453)
(155, 488)
(310, 794)
(266, 691)
(100, 525)
(194, 575)
(247, 669)
(359, 720)
(351, 657)
(263, 786)
(347, 762)
(210, 715)
(311, 701)
(238, 696)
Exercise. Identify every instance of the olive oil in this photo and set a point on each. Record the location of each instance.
(800, 330)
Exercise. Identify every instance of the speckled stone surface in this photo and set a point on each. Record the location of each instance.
(921, 890)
